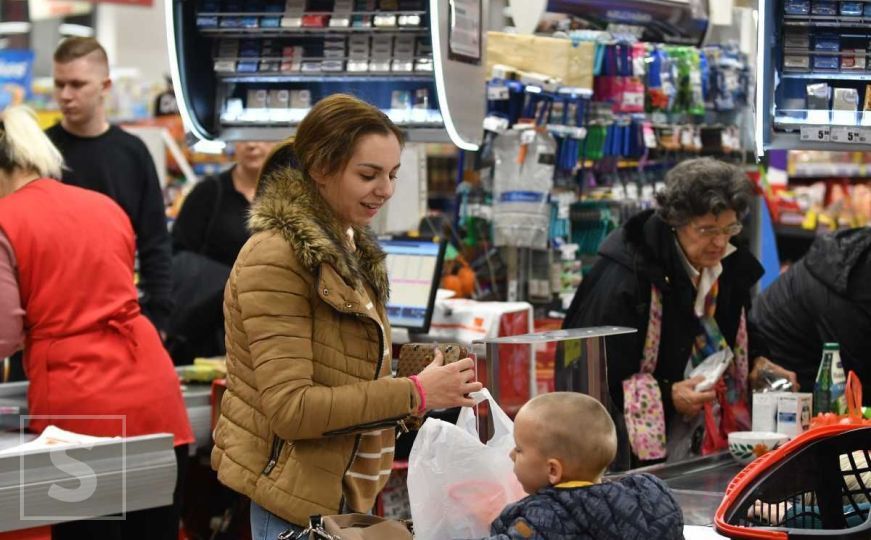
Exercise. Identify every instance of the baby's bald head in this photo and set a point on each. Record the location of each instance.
(576, 429)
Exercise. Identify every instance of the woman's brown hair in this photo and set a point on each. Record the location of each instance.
(326, 137)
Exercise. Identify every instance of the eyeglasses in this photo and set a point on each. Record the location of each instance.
(710, 231)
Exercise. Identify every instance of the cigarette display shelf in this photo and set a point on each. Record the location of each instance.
(313, 77)
(235, 59)
(852, 75)
(816, 64)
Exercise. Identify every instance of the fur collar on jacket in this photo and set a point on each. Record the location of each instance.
(289, 204)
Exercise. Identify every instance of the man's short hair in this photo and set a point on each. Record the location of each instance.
(576, 429)
(73, 48)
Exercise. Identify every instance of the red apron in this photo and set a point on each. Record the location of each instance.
(95, 364)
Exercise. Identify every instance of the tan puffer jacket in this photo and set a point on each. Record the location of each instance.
(303, 355)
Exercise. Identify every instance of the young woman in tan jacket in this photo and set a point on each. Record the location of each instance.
(308, 421)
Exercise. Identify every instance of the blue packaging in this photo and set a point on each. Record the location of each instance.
(851, 9)
(207, 22)
(248, 22)
(247, 66)
(867, 11)
(270, 22)
(824, 8)
(827, 62)
(231, 22)
(797, 7)
(827, 42)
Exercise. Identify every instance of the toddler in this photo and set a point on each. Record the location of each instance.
(564, 441)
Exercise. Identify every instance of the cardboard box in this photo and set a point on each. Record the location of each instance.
(552, 56)
(765, 410)
(794, 412)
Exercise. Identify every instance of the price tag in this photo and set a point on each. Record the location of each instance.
(839, 134)
(497, 93)
(815, 133)
(649, 135)
(633, 99)
(850, 135)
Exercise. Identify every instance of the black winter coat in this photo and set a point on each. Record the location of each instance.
(826, 296)
(637, 506)
(617, 292)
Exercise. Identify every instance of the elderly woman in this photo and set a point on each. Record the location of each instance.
(673, 274)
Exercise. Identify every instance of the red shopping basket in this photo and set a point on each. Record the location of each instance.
(816, 486)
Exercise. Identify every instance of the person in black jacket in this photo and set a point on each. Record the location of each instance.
(561, 468)
(824, 297)
(107, 159)
(673, 274)
(214, 217)
(211, 228)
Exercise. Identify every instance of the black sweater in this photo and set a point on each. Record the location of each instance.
(228, 233)
(824, 297)
(118, 164)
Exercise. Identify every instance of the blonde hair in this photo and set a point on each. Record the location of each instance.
(24, 146)
(576, 429)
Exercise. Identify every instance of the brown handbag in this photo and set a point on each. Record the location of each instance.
(352, 527)
(414, 357)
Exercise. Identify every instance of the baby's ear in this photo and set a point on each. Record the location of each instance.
(554, 471)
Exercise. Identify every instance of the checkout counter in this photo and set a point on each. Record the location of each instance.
(133, 473)
(698, 484)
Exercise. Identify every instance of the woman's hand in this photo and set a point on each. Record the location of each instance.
(764, 370)
(686, 400)
(448, 385)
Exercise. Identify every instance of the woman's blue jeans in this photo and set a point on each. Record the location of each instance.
(267, 526)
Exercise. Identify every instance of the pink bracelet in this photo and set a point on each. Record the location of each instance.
(416, 381)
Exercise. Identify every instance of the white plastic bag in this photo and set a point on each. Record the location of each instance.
(712, 368)
(457, 485)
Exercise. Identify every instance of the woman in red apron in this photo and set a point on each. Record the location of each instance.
(67, 296)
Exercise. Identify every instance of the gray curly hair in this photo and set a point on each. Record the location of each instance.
(701, 186)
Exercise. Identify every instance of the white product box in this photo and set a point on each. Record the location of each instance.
(794, 412)
(765, 410)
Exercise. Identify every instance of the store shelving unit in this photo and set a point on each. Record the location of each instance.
(798, 50)
(251, 70)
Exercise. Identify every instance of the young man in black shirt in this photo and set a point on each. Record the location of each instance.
(107, 159)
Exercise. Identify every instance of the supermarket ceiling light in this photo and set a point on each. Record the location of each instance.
(78, 30)
(14, 27)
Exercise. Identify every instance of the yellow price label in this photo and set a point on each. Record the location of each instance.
(571, 352)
